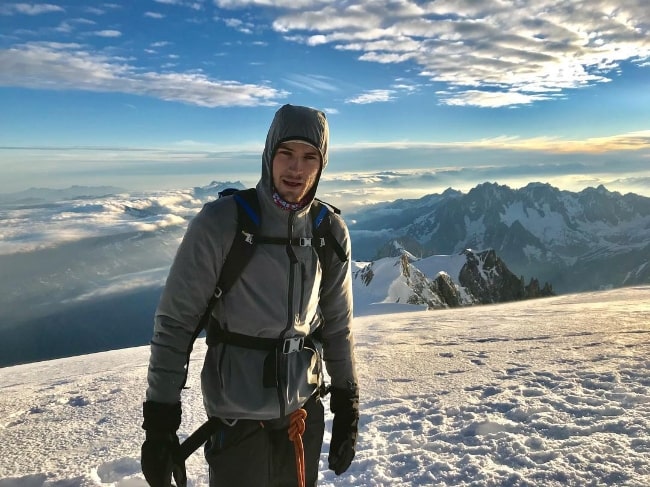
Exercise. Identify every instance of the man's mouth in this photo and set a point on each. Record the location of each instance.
(292, 184)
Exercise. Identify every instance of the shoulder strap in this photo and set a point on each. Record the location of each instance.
(322, 227)
(243, 245)
(241, 251)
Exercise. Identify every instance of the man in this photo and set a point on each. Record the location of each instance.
(283, 294)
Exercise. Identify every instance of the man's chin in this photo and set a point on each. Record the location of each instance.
(292, 196)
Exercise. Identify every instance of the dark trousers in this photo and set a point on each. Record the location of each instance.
(260, 453)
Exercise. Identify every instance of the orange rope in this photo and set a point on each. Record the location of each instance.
(296, 429)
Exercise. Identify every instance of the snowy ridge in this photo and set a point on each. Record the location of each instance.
(548, 392)
(438, 281)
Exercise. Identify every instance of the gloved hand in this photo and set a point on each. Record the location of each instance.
(345, 406)
(160, 459)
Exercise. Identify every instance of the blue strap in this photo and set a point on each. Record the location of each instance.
(321, 215)
(255, 218)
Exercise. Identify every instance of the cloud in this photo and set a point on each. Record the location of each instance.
(482, 54)
(154, 15)
(59, 66)
(381, 96)
(630, 141)
(32, 228)
(620, 162)
(107, 33)
(239, 25)
(29, 8)
(372, 96)
(486, 54)
(312, 82)
(122, 284)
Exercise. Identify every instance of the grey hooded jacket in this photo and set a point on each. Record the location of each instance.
(273, 297)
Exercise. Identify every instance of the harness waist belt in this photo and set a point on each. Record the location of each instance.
(287, 345)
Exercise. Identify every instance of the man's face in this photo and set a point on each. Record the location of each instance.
(295, 169)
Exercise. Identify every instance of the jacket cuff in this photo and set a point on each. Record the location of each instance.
(161, 417)
(344, 400)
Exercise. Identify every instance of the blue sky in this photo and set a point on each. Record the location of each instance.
(421, 96)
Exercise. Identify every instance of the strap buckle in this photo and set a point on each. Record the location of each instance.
(305, 242)
(291, 345)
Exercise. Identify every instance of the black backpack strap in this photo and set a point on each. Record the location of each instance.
(322, 229)
(196, 439)
(243, 245)
(241, 251)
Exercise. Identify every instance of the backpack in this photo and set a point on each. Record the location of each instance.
(247, 237)
(243, 246)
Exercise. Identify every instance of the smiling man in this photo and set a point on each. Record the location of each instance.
(288, 312)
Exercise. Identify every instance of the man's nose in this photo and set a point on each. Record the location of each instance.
(296, 164)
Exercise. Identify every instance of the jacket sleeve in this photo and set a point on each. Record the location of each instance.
(190, 284)
(336, 308)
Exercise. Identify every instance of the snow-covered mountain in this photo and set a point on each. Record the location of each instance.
(575, 241)
(439, 281)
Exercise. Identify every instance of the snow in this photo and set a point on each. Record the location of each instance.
(548, 392)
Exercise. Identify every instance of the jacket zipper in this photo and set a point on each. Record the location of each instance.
(303, 279)
(281, 361)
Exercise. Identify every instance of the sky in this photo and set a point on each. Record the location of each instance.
(420, 96)
(549, 392)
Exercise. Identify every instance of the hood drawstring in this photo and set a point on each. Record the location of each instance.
(296, 429)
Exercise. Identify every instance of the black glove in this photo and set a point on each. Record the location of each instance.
(345, 406)
(160, 458)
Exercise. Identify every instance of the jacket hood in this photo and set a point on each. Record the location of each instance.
(292, 122)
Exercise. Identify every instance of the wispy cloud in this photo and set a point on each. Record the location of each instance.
(620, 162)
(239, 25)
(194, 5)
(107, 33)
(61, 66)
(312, 83)
(372, 96)
(29, 8)
(154, 15)
(633, 141)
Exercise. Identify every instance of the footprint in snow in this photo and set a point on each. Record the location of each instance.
(120, 472)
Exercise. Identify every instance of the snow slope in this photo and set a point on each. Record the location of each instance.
(549, 392)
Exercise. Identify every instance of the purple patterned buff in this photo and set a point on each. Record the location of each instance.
(285, 205)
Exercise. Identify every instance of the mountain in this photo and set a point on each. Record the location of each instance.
(213, 189)
(43, 195)
(440, 281)
(582, 241)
